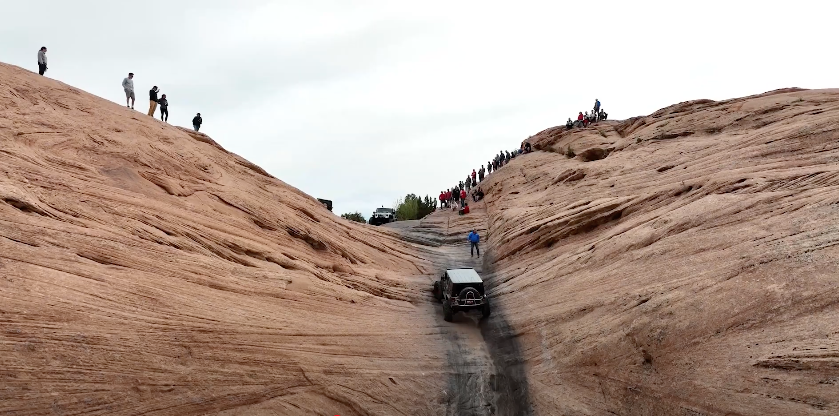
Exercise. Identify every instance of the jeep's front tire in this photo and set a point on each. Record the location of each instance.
(485, 310)
(438, 293)
(448, 313)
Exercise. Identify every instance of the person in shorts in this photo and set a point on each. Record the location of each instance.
(128, 86)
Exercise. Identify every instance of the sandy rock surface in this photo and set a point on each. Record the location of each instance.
(146, 270)
(682, 263)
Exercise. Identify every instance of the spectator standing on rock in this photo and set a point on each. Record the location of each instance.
(481, 174)
(152, 100)
(128, 86)
(196, 121)
(489, 167)
(462, 196)
(474, 174)
(42, 60)
(474, 239)
(596, 107)
(164, 108)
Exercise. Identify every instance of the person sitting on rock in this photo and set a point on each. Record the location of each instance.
(569, 124)
(586, 120)
(580, 119)
(464, 210)
(527, 147)
(603, 114)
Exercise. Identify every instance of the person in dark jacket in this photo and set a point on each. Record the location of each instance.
(164, 108)
(42, 60)
(474, 239)
(196, 122)
(152, 100)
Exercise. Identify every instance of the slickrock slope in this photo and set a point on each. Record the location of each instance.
(146, 270)
(683, 263)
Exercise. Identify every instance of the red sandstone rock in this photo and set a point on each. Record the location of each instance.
(690, 271)
(146, 270)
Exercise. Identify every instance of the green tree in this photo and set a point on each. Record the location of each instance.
(413, 207)
(354, 216)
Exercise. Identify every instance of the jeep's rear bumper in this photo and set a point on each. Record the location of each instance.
(467, 303)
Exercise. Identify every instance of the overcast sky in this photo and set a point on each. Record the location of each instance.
(362, 102)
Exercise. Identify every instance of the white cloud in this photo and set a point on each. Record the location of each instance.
(365, 101)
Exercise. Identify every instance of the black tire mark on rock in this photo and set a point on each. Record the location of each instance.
(487, 375)
(511, 378)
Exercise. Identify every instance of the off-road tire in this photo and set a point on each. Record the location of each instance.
(448, 313)
(438, 292)
(485, 310)
(467, 289)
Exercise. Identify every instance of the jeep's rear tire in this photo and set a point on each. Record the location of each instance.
(485, 310)
(448, 314)
(438, 293)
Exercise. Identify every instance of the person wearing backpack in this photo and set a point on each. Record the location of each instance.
(164, 108)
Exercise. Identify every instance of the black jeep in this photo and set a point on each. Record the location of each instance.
(461, 290)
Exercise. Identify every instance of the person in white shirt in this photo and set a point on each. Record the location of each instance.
(42, 60)
(128, 86)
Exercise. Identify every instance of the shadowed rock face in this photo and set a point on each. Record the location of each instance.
(145, 270)
(692, 270)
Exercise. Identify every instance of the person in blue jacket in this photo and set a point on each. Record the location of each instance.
(474, 238)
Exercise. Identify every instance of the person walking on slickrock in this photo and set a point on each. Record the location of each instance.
(196, 122)
(42, 60)
(474, 239)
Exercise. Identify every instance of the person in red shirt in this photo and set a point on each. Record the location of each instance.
(442, 199)
(466, 209)
(462, 196)
(474, 174)
(580, 117)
